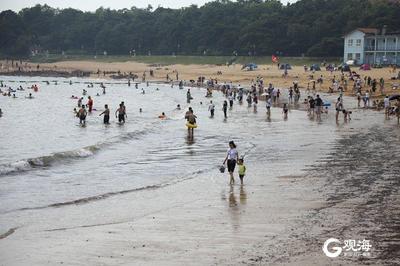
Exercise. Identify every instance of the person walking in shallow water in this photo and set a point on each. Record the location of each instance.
(106, 113)
(225, 108)
(191, 122)
(82, 115)
(211, 108)
(231, 158)
(121, 114)
(285, 111)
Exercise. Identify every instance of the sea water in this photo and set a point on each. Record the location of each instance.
(47, 160)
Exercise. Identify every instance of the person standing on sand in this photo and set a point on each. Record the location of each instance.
(106, 113)
(231, 159)
(358, 99)
(386, 103)
(366, 99)
(398, 111)
(381, 85)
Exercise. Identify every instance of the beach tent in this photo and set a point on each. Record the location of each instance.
(285, 66)
(344, 67)
(365, 67)
(315, 67)
(249, 67)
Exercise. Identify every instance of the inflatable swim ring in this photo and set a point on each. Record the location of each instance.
(191, 125)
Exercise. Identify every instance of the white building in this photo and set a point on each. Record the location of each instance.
(372, 46)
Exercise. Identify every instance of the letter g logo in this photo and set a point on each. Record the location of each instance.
(337, 250)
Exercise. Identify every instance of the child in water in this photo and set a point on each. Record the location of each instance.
(285, 111)
(242, 169)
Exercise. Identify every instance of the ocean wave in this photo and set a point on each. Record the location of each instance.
(54, 158)
(45, 161)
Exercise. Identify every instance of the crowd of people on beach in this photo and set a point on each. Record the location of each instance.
(363, 89)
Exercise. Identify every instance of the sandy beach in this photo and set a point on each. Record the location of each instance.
(233, 73)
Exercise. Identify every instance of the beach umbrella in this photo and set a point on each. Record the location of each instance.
(394, 97)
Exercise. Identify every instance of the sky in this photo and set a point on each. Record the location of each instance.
(91, 5)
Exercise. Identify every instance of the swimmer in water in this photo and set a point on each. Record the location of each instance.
(178, 107)
(80, 102)
(140, 110)
(143, 91)
(30, 96)
(106, 113)
(1, 113)
(14, 96)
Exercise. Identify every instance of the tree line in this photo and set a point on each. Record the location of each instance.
(223, 27)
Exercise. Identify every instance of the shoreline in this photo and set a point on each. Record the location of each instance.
(222, 74)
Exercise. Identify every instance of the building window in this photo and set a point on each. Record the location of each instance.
(358, 56)
(350, 56)
(350, 42)
(358, 42)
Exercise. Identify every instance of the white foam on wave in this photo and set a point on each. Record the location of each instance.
(83, 153)
(22, 165)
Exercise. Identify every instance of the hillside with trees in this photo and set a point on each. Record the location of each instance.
(256, 27)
